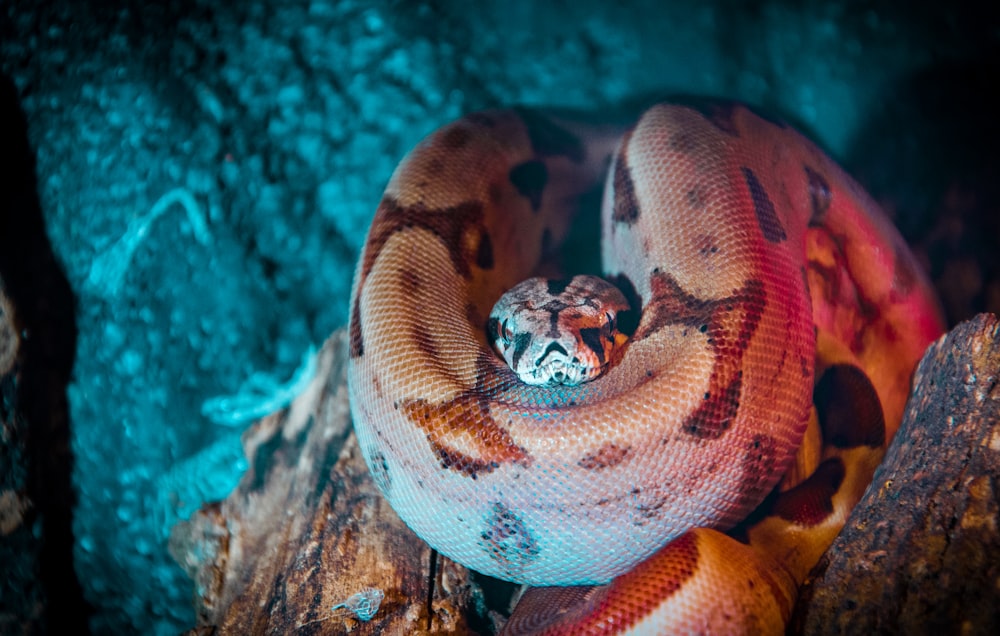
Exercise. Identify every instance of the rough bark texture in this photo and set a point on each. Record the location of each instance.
(306, 529)
(921, 552)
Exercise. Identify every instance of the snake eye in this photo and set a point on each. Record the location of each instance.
(505, 333)
(609, 326)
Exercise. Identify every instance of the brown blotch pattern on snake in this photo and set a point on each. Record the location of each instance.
(450, 225)
(763, 208)
(529, 179)
(608, 455)
(626, 205)
(357, 347)
(466, 418)
(379, 468)
(849, 408)
(729, 324)
(507, 540)
(484, 253)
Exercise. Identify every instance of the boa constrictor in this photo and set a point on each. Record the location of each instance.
(778, 318)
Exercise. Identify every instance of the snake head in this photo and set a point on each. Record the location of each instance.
(558, 332)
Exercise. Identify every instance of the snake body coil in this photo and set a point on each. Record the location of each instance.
(772, 295)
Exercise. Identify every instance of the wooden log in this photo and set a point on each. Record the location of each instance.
(921, 552)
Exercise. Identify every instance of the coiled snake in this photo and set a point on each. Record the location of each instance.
(776, 318)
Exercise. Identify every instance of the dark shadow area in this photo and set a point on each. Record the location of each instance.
(45, 306)
(930, 157)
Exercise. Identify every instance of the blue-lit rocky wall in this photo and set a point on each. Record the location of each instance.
(206, 176)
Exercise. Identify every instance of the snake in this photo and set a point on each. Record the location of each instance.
(643, 369)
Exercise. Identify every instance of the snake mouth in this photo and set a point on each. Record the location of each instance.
(561, 370)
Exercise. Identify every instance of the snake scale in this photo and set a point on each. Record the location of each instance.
(777, 319)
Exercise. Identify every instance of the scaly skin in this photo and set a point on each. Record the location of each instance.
(760, 268)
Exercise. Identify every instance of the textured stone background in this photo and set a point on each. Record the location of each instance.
(206, 176)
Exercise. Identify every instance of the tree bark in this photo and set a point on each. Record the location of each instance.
(306, 530)
(921, 552)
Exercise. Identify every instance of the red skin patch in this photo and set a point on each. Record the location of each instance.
(612, 608)
(715, 414)
(830, 287)
(811, 502)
